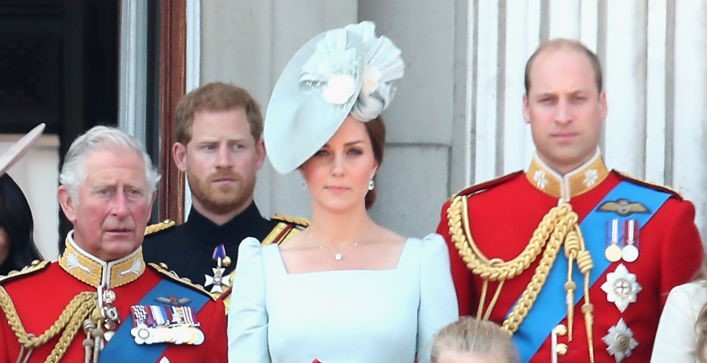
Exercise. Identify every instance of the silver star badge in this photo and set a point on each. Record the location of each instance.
(590, 177)
(540, 179)
(217, 280)
(621, 287)
(620, 341)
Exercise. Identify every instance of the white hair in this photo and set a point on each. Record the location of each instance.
(73, 171)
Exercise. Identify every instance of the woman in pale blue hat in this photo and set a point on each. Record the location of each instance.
(17, 246)
(345, 289)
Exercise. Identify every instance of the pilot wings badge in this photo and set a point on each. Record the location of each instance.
(623, 207)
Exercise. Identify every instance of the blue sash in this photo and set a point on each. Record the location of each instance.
(550, 307)
(122, 347)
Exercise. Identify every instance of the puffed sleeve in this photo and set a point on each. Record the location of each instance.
(676, 337)
(461, 274)
(438, 301)
(247, 316)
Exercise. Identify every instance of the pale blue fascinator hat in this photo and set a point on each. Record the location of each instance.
(20, 148)
(339, 72)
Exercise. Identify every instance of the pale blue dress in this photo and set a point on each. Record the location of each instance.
(340, 316)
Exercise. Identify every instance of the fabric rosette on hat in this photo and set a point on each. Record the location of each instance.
(338, 72)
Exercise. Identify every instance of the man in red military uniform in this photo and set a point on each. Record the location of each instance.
(574, 260)
(100, 302)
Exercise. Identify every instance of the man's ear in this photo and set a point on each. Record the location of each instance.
(67, 203)
(602, 104)
(152, 202)
(260, 152)
(179, 154)
(526, 108)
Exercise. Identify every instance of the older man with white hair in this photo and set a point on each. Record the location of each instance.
(100, 301)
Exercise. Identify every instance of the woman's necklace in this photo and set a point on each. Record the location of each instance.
(338, 256)
(338, 253)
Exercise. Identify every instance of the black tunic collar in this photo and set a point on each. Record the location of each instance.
(244, 224)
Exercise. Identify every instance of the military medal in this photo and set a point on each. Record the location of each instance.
(154, 324)
(620, 341)
(219, 281)
(613, 251)
(141, 333)
(111, 317)
(141, 330)
(629, 252)
(621, 287)
(184, 326)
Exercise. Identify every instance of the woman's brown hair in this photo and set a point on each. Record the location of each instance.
(376, 131)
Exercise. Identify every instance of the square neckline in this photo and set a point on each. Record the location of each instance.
(283, 269)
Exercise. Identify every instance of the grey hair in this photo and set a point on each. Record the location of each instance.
(73, 172)
(481, 338)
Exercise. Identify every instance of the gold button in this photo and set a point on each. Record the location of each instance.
(561, 330)
(561, 349)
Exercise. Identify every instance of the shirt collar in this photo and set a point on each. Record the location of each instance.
(96, 272)
(576, 182)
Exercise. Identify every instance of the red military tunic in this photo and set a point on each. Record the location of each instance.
(502, 217)
(40, 295)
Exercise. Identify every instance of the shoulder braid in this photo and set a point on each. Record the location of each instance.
(483, 186)
(35, 266)
(298, 221)
(286, 228)
(163, 270)
(652, 185)
(159, 226)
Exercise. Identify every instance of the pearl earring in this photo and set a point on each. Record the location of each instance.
(371, 185)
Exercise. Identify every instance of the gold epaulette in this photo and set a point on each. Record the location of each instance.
(651, 185)
(286, 228)
(35, 266)
(159, 226)
(163, 270)
(299, 221)
(476, 188)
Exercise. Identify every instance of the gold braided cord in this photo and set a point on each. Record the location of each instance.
(482, 300)
(559, 227)
(497, 269)
(585, 263)
(547, 238)
(530, 294)
(84, 309)
(494, 299)
(572, 248)
(70, 320)
(480, 314)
